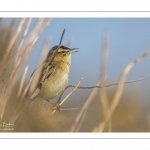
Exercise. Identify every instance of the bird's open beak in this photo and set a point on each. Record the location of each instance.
(73, 50)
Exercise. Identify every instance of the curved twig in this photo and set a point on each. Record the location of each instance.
(68, 95)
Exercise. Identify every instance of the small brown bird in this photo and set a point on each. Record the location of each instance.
(51, 77)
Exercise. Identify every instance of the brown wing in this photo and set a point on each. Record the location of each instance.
(46, 72)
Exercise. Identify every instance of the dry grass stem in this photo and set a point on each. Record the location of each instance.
(22, 81)
(26, 89)
(20, 47)
(112, 84)
(103, 91)
(44, 51)
(68, 95)
(122, 80)
(70, 41)
(33, 39)
(4, 46)
(14, 39)
(120, 86)
(70, 108)
(77, 123)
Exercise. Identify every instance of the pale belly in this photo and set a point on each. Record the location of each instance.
(54, 86)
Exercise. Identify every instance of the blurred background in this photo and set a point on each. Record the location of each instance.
(128, 39)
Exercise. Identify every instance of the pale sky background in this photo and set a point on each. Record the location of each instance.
(128, 39)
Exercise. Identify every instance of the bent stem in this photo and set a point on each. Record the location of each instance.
(119, 89)
(68, 95)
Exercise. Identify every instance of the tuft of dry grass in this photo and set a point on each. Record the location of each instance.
(13, 57)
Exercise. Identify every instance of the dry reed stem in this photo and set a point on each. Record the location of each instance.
(120, 86)
(112, 84)
(44, 51)
(68, 95)
(20, 47)
(70, 41)
(4, 45)
(31, 41)
(103, 91)
(70, 108)
(19, 29)
(76, 125)
(13, 40)
(26, 89)
(22, 81)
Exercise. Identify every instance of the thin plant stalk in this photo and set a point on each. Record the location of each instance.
(22, 81)
(78, 121)
(13, 40)
(20, 47)
(44, 51)
(68, 95)
(120, 87)
(103, 91)
(7, 38)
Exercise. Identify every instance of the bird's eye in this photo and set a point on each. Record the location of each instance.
(63, 52)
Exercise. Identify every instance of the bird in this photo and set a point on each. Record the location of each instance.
(50, 78)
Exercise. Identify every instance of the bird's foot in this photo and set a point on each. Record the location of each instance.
(56, 106)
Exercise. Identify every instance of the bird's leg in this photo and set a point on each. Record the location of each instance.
(56, 106)
(58, 101)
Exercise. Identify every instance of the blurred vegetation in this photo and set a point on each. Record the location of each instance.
(131, 115)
